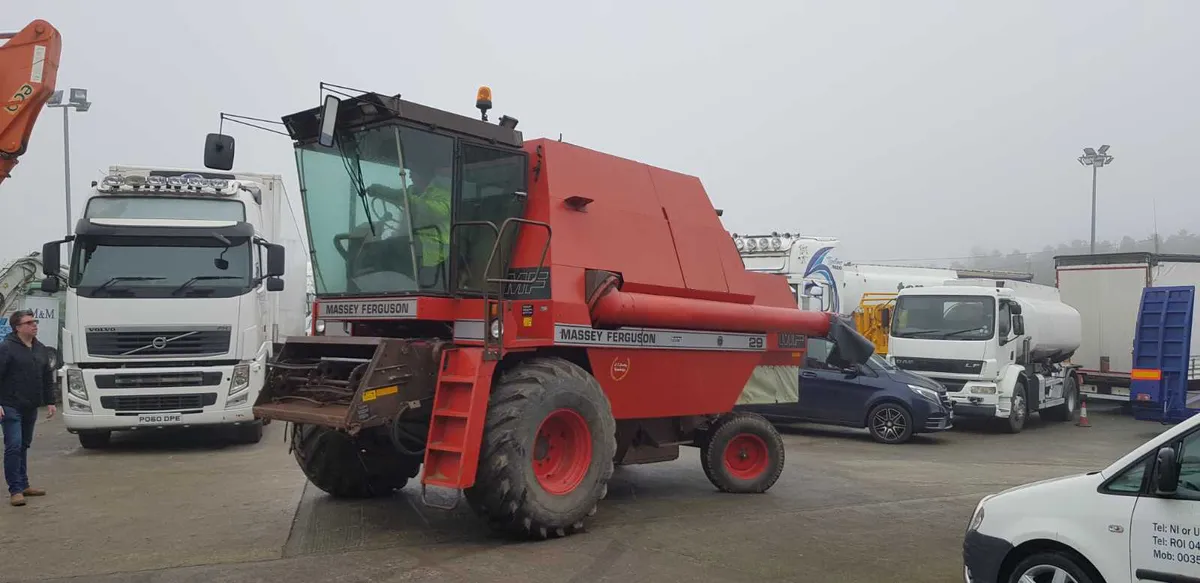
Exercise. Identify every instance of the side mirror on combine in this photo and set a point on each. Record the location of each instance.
(275, 260)
(329, 117)
(1018, 325)
(1166, 472)
(218, 152)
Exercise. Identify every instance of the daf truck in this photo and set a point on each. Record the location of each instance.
(178, 291)
(1000, 348)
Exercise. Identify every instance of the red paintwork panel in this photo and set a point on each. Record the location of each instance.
(695, 226)
(622, 230)
(645, 384)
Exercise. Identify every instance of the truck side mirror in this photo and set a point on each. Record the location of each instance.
(885, 318)
(1166, 472)
(275, 260)
(218, 152)
(1018, 325)
(51, 261)
(274, 284)
(1014, 308)
(50, 284)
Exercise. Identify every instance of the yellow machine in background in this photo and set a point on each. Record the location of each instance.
(874, 317)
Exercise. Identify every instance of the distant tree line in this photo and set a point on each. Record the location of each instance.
(1041, 263)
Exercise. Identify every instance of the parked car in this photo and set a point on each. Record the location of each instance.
(1135, 520)
(891, 403)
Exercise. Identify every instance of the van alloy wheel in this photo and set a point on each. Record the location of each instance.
(1046, 574)
(889, 422)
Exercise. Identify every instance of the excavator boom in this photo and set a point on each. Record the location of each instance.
(28, 73)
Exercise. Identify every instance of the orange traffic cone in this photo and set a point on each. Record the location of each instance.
(1083, 418)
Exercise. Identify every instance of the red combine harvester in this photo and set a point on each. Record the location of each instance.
(518, 317)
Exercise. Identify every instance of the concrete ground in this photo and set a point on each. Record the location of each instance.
(186, 508)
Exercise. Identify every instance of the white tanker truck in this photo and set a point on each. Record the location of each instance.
(1001, 350)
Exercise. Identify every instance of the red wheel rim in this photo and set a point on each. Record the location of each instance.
(562, 451)
(746, 456)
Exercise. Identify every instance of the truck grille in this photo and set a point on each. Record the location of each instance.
(158, 343)
(952, 385)
(942, 365)
(157, 380)
(134, 403)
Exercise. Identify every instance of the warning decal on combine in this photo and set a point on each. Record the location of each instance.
(367, 309)
(570, 335)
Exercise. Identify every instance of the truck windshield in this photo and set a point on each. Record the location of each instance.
(944, 317)
(376, 228)
(161, 267)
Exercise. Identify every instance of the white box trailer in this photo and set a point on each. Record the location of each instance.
(1106, 289)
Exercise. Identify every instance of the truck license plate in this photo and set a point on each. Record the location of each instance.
(160, 418)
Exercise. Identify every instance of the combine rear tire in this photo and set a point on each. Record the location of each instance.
(548, 449)
(742, 453)
(345, 467)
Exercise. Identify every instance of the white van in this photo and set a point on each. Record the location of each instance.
(1138, 520)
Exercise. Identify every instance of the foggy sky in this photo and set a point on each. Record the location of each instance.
(909, 130)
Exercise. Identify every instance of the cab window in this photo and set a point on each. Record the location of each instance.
(1130, 480)
(817, 354)
(1189, 467)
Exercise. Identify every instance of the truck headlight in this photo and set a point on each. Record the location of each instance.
(75, 385)
(496, 329)
(924, 392)
(320, 326)
(241, 378)
(983, 390)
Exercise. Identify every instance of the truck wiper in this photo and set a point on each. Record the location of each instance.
(963, 331)
(113, 280)
(199, 278)
(912, 333)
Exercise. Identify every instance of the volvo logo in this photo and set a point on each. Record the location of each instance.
(159, 343)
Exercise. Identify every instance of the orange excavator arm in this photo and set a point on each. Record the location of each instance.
(28, 73)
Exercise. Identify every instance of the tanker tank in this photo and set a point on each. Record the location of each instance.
(1054, 328)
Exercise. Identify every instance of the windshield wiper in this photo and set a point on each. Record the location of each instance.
(912, 333)
(963, 331)
(199, 278)
(113, 280)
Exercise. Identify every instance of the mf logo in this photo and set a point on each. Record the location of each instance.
(619, 368)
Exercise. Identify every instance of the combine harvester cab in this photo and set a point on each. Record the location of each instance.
(515, 318)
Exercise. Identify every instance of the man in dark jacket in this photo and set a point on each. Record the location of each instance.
(26, 383)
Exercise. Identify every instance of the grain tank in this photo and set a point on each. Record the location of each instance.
(1000, 347)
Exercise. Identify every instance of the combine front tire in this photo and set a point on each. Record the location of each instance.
(742, 453)
(548, 449)
(345, 467)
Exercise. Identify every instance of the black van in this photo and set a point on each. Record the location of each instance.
(891, 403)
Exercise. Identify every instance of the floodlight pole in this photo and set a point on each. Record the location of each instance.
(1095, 159)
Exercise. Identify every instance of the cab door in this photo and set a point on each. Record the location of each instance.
(1165, 531)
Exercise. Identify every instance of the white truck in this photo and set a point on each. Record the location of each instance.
(822, 281)
(1107, 291)
(1000, 348)
(175, 300)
